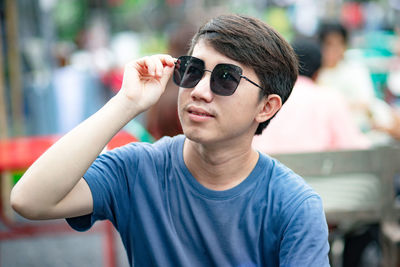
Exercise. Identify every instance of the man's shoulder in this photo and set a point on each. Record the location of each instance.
(280, 173)
(286, 185)
(287, 193)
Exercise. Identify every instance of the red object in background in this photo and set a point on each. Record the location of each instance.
(113, 79)
(352, 15)
(122, 138)
(19, 153)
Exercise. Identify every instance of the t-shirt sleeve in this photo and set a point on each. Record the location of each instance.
(305, 238)
(111, 179)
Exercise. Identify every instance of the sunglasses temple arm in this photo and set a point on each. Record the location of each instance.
(250, 81)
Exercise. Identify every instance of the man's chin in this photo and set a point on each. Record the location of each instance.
(201, 136)
(194, 136)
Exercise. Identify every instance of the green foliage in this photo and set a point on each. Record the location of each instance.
(69, 18)
(153, 44)
(278, 18)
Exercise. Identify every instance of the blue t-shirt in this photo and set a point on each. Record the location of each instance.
(166, 218)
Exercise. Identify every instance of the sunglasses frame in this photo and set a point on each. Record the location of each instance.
(230, 92)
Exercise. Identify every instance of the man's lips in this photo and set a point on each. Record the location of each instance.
(199, 111)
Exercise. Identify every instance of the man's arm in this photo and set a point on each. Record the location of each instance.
(53, 186)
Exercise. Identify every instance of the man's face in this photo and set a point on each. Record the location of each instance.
(209, 118)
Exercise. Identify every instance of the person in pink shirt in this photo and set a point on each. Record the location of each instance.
(313, 118)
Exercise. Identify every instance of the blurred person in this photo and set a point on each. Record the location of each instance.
(352, 79)
(78, 92)
(205, 198)
(313, 118)
(77, 81)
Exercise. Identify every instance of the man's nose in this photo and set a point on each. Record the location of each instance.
(203, 90)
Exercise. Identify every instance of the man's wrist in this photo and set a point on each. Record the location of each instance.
(126, 107)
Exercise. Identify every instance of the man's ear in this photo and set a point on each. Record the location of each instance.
(268, 107)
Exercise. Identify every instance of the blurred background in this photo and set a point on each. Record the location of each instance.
(60, 61)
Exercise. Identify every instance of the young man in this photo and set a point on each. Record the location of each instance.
(205, 198)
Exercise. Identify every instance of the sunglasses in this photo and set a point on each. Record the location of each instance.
(224, 79)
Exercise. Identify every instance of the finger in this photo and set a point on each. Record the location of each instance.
(146, 66)
(154, 65)
(167, 60)
(162, 61)
(151, 66)
(159, 68)
(168, 70)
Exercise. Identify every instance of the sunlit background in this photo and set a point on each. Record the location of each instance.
(60, 61)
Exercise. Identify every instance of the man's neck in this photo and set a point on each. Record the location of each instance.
(219, 167)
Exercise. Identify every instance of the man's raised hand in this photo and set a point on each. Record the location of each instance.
(145, 80)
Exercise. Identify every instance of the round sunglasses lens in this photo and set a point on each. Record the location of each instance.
(188, 71)
(225, 79)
